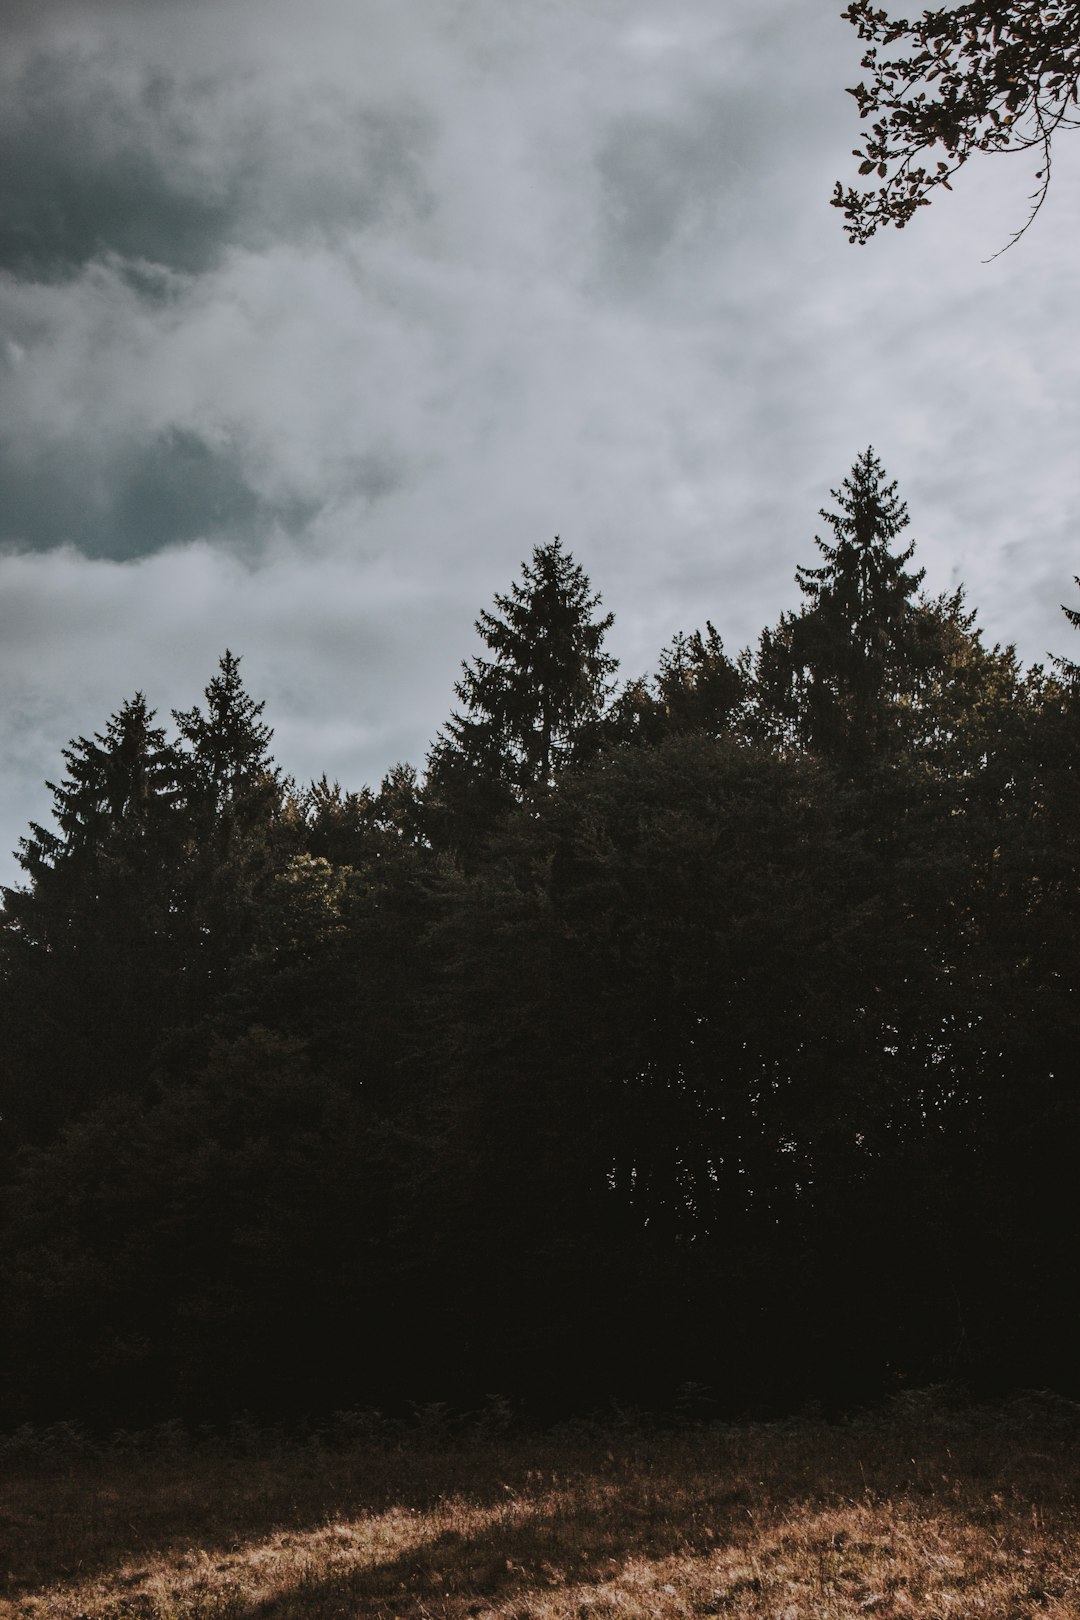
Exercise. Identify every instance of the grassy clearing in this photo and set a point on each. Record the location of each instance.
(921, 1516)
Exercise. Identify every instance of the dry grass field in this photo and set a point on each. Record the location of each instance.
(923, 1514)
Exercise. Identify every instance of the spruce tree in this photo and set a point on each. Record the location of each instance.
(827, 678)
(241, 823)
(531, 709)
(1068, 668)
(114, 782)
(223, 757)
(697, 687)
(86, 949)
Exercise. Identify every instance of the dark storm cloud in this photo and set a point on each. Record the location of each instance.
(174, 170)
(125, 189)
(172, 489)
(79, 179)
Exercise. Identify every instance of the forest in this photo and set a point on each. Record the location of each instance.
(709, 1031)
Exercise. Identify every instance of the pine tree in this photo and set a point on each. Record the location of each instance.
(241, 823)
(1068, 668)
(827, 678)
(697, 687)
(224, 761)
(114, 783)
(86, 946)
(532, 709)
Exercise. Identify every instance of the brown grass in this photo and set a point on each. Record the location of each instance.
(925, 1518)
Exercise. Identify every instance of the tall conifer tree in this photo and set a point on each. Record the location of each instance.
(827, 677)
(531, 709)
(237, 827)
(86, 944)
(223, 759)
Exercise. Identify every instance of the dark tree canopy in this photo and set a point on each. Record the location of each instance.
(697, 687)
(986, 76)
(668, 1041)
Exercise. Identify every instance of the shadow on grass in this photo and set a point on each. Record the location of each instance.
(411, 1532)
(537, 1546)
(374, 1533)
(92, 1518)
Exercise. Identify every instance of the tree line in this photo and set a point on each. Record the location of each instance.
(715, 1028)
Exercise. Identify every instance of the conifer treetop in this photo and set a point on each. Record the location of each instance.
(527, 710)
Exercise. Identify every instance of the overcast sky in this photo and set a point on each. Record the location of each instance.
(315, 320)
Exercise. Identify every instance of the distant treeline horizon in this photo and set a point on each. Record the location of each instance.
(712, 1030)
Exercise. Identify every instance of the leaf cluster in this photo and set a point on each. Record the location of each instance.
(985, 76)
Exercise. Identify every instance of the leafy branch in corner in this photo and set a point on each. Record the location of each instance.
(987, 76)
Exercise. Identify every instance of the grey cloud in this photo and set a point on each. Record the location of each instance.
(163, 491)
(140, 409)
(172, 489)
(138, 205)
(81, 178)
(669, 181)
(176, 170)
(446, 281)
(650, 192)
